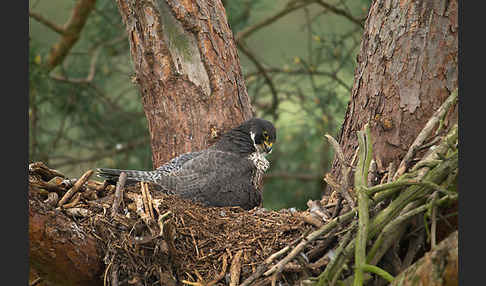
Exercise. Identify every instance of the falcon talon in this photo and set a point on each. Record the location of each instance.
(229, 173)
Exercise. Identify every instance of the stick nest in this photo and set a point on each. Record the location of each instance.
(154, 237)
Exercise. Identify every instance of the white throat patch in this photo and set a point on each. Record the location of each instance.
(259, 160)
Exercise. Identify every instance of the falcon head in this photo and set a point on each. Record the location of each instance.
(263, 135)
(254, 135)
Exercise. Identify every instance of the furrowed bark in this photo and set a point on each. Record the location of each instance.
(407, 67)
(188, 71)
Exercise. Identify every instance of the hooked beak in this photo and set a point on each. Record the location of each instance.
(268, 147)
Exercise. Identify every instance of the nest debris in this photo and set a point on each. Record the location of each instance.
(176, 241)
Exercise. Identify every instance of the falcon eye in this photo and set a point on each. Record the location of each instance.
(265, 135)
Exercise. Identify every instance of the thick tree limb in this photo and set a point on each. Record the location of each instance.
(59, 251)
(69, 33)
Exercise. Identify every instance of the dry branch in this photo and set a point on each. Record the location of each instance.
(235, 269)
(426, 131)
(120, 185)
(75, 188)
(345, 172)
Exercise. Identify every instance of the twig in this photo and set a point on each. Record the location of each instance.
(161, 221)
(426, 131)
(261, 268)
(327, 274)
(402, 218)
(53, 26)
(389, 236)
(388, 217)
(35, 281)
(401, 183)
(235, 268)
(414, 246)
(114, 275)
(222, 273)
(316, 209)
(120, 185)
(89, 78)
(46, 172)
(106, 270)
(265, 22)
(391, 171)
(78, 212)
(311, 237)
(268, 79)
(147, 200)
(340, 12)
(75, 188)
(423, 167)
(345, 170)
(74, 201)
(360, 181)
(337, 149)
(194, 242)
(433, 218)
(338, 207)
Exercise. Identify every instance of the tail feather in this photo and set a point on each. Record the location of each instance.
(132, 175)
(167, 183)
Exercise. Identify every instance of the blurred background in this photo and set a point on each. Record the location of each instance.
(298, 59)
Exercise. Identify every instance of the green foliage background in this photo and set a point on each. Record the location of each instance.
(311, 52)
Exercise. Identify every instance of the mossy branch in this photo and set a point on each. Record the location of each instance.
(360, 181)
(413, 199)
(403, 218)
(377, 270)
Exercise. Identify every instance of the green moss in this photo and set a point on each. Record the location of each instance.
(178, 38)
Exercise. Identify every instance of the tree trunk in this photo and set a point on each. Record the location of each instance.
(407, 66)
(188, 71)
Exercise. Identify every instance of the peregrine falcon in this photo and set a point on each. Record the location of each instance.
(229, 173)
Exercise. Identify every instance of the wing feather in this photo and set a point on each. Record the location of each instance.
(206, 173)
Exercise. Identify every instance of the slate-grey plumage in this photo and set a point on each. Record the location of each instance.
(229, 173)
